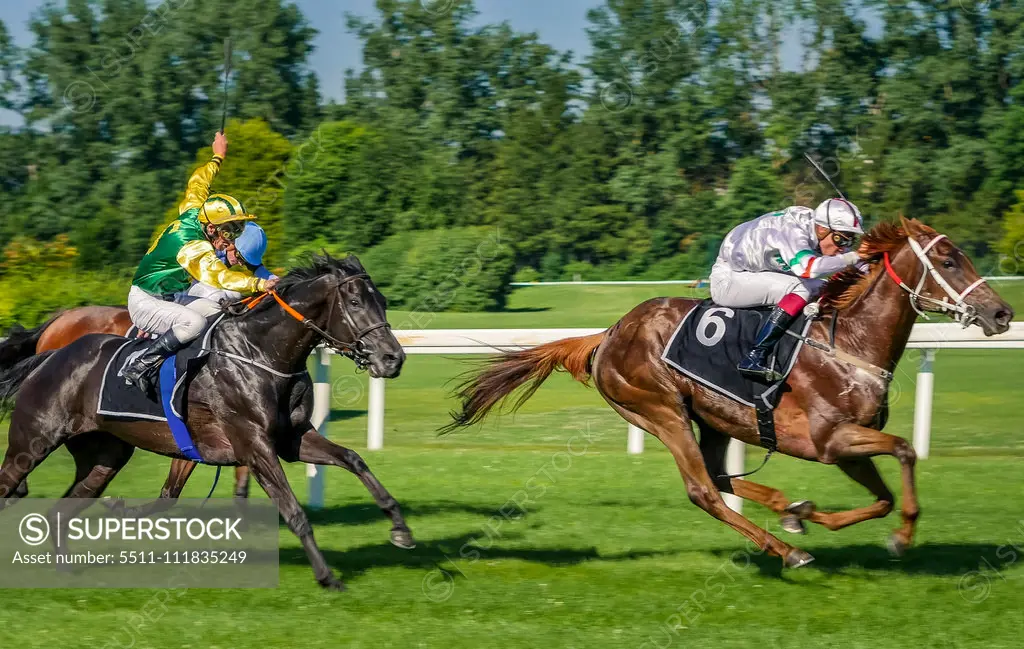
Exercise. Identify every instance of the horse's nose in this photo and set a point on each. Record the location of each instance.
(1003, 316)
(393, 361)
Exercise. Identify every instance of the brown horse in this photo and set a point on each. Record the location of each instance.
(829, 405)
(67, 327)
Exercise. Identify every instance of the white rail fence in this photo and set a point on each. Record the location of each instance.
(929, 337)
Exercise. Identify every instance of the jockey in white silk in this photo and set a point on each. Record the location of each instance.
(782, 259)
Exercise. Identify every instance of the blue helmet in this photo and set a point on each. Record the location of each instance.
(252, 244)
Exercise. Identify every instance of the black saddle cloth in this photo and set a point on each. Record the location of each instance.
(124, 401)
(712, 340)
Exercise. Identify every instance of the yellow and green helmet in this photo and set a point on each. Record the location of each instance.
(221, 208)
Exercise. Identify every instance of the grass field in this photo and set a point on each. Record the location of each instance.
(609, 552)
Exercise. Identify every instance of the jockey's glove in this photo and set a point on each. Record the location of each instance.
(850, 258)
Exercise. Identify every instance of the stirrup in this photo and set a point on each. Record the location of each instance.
(759, 373)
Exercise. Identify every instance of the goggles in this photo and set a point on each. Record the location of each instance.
(843, 239)
(231, 230)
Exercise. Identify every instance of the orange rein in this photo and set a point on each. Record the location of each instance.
(254, 301)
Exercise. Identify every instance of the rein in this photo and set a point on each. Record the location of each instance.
(357, 350)
(959, 310)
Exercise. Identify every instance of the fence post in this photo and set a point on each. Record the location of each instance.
(923, 404)
(375, 416)
(635, 440)
(734, 457)
(321, 415)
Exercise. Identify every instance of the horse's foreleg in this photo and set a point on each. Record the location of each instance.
(672, 427)
(177, 477)
(713, 445)
(241, 482)
(863, 471)
(849, 442)
(316, 449)
(268, 472)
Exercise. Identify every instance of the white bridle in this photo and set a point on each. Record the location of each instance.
(953, 304)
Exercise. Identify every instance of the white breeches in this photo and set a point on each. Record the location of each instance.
(206, 292)
(155, 316)
(741, 289)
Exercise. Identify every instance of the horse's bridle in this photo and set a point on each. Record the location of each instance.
(357, 349)
(960, 311)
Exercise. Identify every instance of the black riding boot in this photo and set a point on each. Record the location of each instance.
(755, 365)
(143, 371)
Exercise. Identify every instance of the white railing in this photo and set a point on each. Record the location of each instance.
(929, 337)
(691, 282)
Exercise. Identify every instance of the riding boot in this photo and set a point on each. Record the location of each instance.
(143, 372)
(756, 365)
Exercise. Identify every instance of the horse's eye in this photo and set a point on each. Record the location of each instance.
(949, 263)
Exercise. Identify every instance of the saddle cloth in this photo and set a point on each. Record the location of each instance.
(122, 401)
(711, 341)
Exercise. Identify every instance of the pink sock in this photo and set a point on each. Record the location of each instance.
(792, 304)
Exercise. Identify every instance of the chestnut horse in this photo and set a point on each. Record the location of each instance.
(830, 402)
(67, 327)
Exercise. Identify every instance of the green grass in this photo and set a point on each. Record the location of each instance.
(609, 549)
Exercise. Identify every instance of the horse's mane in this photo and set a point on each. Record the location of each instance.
(845, 287)
(319, 266)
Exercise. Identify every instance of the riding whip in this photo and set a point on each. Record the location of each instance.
(227, 77)
(825, 175)
(829, 179)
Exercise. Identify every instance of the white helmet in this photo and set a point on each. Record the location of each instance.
(840, 215)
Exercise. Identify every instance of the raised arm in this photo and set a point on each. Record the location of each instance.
(199, 184)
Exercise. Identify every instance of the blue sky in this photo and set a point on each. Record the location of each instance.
(560, 23)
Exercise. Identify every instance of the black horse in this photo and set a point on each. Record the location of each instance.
(249, 405)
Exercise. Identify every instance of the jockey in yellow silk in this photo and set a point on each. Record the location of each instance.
(186, 252)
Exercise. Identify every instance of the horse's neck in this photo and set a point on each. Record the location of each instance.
(269, 336)
(878, 325)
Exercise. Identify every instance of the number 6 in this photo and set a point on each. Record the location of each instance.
(710, 318)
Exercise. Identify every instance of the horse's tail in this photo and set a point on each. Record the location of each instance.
(504, 374)
(20, 344)
(12, 378)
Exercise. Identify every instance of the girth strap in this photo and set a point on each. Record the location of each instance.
(845, 357)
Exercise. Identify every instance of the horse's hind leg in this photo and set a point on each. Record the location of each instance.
(25, 451)
(315, 449)
(98, 459)
(21, 491)
(672, 427)
(713, 446)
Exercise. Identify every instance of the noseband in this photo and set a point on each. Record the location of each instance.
(358, 350)
(953, 304)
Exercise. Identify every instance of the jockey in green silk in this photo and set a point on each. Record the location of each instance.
(186, 252)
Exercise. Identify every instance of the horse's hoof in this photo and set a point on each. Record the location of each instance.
(791, 523)
(797, 558)
(402, 539)
(332, 583)
(896, 545)
(116, 505)
(802, 509)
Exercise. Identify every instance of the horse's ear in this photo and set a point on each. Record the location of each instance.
(907, 224)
